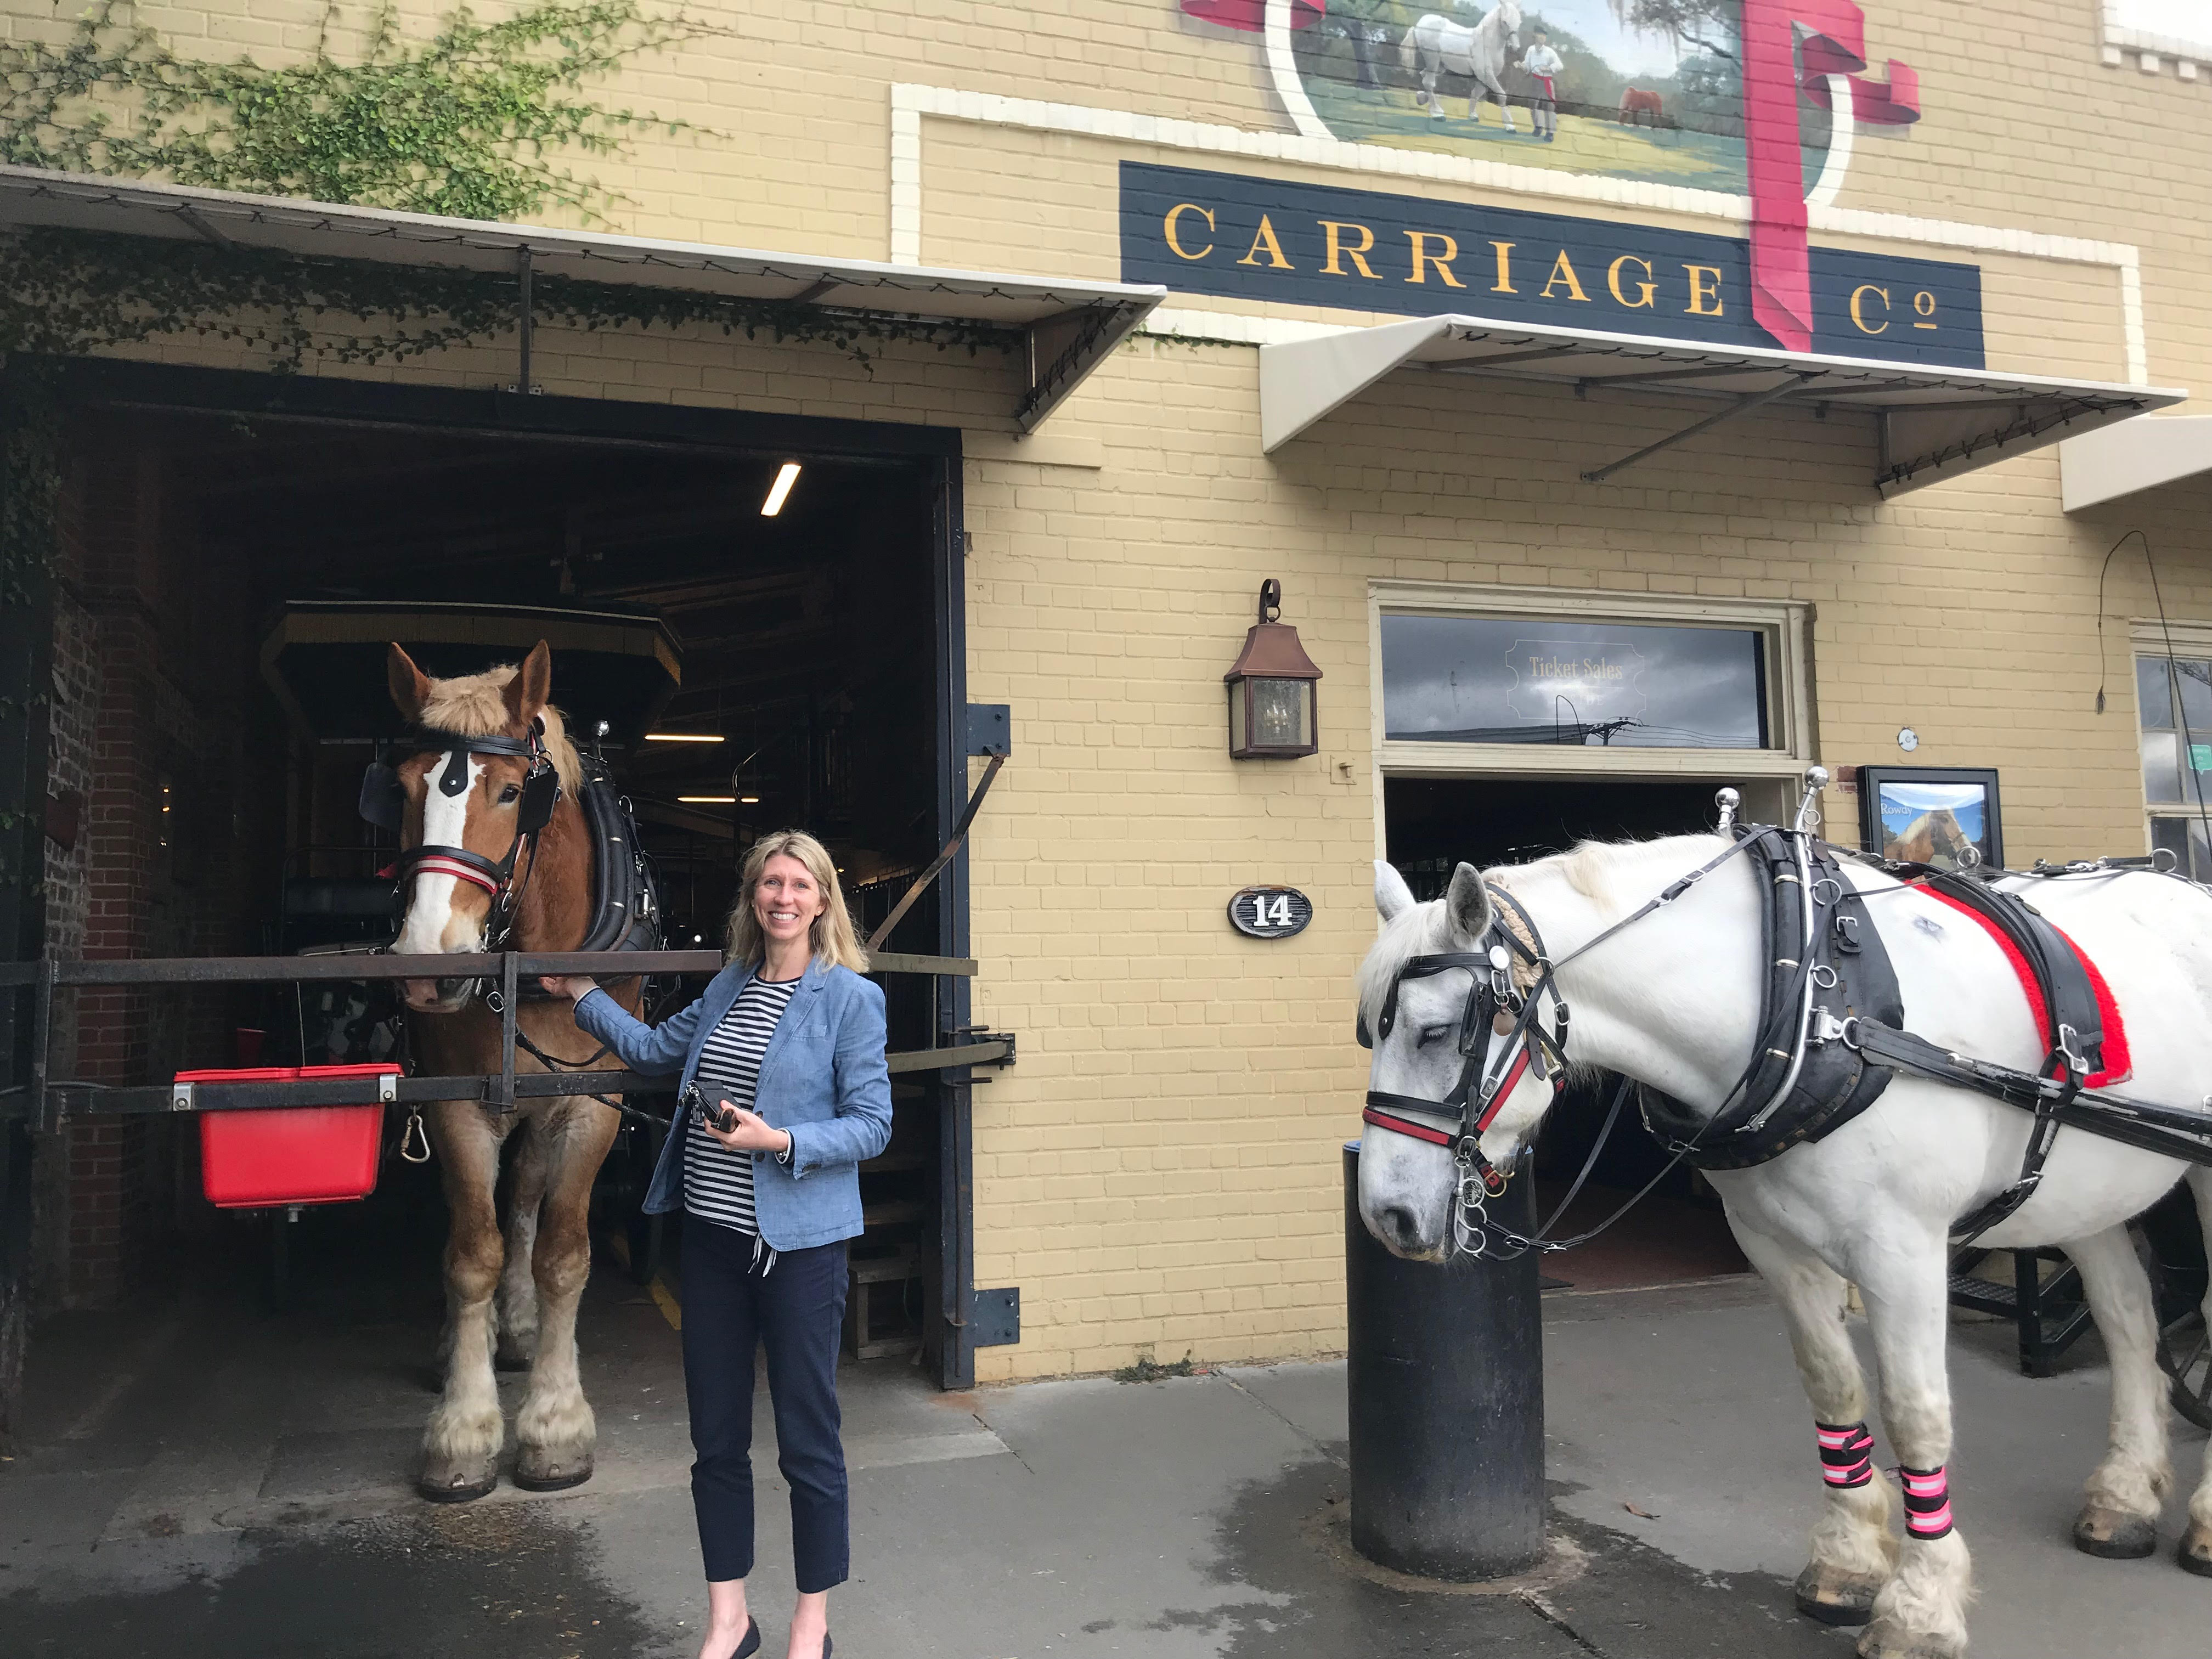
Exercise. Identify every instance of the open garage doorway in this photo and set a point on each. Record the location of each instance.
(796, 584)
(1432, 824)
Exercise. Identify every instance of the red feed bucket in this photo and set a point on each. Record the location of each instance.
(290, 1154)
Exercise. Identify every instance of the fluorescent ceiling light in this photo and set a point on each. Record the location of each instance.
(709, 800)
(749, 801)
(682, 736)
(786, 476)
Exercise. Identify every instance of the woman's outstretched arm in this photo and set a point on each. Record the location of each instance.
(648, 1050)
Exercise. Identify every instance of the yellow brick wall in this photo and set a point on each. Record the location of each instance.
(1160, 1171)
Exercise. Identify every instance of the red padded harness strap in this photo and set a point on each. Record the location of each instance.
(2119, 1065)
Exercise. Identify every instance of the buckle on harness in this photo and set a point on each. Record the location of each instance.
(1826, 1028)
(2067, 1051)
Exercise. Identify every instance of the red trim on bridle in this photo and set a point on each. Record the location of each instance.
(436, 865)
(1407, 1126)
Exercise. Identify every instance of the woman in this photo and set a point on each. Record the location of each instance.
(787, 1048)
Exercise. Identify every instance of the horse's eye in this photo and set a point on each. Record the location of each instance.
(509, 795)
(1435, 1034)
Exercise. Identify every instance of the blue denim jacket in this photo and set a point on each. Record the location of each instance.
(822, 1079)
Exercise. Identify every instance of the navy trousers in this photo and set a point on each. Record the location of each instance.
(795, 1311)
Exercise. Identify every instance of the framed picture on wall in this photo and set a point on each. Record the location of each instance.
(1931, 815)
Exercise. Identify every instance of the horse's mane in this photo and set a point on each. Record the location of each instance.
(1590, 867)
(475, 706)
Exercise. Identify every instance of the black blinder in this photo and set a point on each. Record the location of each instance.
(383, 798)
(540, 791)
(1359, 1030)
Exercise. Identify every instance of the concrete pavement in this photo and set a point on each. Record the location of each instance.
(212, 1480)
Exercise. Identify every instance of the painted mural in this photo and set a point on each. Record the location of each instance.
(1754, 98)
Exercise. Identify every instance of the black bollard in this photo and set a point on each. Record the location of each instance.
(1446, 1378)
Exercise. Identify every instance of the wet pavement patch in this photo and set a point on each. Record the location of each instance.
(507, 1580)
(1627, 1602)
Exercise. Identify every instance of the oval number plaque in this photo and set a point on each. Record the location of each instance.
(1271, 912)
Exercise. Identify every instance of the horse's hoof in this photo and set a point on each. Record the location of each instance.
(538, 1469)
(505, 1358)
(459, 1487)
(1893, 1644)
(1835, 1598)
(2194, 1552)
(2112, 1536)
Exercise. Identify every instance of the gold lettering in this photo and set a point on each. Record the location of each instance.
(1646, 288)
(1339, 251)
(1564, 272)
(1504, 283)
(1176, 212)
(1265, 238)
(1858, 318)
(1923, 305)
(1421, 239)
(1702, 290)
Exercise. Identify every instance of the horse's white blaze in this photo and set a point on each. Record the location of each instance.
(1673, 1001)
(431, 925)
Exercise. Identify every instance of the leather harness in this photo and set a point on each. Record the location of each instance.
(1830, 1035)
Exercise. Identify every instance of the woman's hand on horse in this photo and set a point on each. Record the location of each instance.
(574, 987)
(754, 1134)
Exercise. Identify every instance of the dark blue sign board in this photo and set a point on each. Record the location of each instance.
(1245, 238)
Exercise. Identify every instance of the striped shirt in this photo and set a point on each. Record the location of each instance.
(718, 1183)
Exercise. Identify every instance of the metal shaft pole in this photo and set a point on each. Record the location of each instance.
(1446, 1378)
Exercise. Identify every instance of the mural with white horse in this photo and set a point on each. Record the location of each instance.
(1436, 46)
(1674, 1000)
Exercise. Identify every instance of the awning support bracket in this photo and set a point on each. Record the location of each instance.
(1741, 406)
(1051, 382)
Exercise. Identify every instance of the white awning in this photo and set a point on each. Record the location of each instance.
(1071, 326)
(1931, 422)
(2135, 455)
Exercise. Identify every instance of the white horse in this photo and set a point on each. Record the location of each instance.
(1437, 43)
(1673, 1001)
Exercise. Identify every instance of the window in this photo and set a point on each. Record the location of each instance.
(1524, 680)
(2173, 699)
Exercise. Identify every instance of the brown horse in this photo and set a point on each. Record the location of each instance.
(1637, 102)
(515, 1298)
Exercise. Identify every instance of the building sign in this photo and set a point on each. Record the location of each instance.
(1270, 912)
(1245, 238)
(1598, 680)
(1757, 98)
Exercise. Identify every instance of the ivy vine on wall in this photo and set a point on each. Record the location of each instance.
(468, 122)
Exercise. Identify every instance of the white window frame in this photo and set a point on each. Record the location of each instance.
(2148, 636)
(1785, 623)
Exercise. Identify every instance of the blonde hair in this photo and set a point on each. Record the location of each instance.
(832, 938)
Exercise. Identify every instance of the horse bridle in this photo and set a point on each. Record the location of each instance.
(1490, 1069)
(384, 802)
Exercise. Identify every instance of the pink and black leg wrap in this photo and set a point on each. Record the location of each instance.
(1927, 1503)
(1846, 1454)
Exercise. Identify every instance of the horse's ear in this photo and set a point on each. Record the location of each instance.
(1392, 897)
(410, 686)
(1468, 904)
(531, 688)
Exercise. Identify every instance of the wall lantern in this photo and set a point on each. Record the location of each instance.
(1270, 689)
